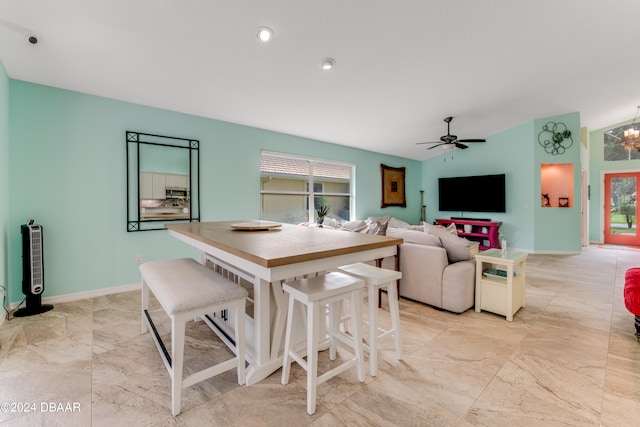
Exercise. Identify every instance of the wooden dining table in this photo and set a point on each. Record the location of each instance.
(264, 259)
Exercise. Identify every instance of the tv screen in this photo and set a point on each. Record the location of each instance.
(482, 193)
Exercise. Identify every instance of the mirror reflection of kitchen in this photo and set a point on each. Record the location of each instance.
(164, 183)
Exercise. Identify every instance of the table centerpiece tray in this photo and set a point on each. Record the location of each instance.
(256, 225)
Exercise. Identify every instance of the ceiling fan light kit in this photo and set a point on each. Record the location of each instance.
(265, 34)
(327, 64)
(449, 141)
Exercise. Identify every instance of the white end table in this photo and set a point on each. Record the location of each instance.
(500, 293)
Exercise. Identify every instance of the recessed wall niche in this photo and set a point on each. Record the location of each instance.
(556, 184)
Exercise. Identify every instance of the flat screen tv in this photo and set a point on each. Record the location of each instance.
(482, 193)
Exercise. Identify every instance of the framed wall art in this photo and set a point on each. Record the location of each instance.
(392, 186)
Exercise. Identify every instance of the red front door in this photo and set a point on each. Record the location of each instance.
(621, 208)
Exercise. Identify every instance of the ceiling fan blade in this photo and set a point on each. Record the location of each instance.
(437, 145)
(449, 140)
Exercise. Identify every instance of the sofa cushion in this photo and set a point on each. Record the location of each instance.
(458, 248)
(398, 223)
(414, 236)
(331, 223)
(355, 226)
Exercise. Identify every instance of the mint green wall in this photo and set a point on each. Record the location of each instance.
(516, 153)
(596, 179)
(558, 229)
(4, 174)
(68, 172)
(509, 152)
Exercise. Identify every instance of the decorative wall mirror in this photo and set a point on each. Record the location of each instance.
(163, 181)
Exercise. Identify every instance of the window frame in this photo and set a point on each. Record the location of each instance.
(310, 184)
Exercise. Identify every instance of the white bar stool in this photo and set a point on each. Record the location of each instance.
(187, 290)
(315, 293)
(378, 278)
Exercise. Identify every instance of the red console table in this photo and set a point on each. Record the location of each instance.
(484, 232)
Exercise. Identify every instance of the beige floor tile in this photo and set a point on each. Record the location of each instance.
(569, 358)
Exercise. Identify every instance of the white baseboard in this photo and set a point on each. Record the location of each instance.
(78, 296)
(91, 294)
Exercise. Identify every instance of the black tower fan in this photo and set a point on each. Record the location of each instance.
(32, 270)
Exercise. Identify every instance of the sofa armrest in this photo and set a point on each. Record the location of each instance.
(458, 286)
(421, 268)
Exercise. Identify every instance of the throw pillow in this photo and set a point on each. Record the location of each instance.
(355, 226)
(458, 248)
(437, 230)
(383, 222)
(398, 223)
(377, 228)
(451, 228)
(385, 218)
(415, 236)
(331, 223)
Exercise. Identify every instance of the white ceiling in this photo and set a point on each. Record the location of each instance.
(401, 65)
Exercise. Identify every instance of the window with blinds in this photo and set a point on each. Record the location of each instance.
(296, 189)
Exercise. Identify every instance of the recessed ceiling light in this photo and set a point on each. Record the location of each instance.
(265, 34)
(327, 63)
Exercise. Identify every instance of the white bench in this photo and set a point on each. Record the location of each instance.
(187, 290)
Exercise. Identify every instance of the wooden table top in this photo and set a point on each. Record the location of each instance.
(288, 244)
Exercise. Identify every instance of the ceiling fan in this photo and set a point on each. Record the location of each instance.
(451, 141)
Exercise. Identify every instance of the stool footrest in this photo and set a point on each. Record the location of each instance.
(221, 333)
(337, 370)
(385, 333)
(166, 357)
(346, 340)
(298, 359)
(212, 371)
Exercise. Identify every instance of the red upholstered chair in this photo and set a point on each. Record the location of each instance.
(632, 295)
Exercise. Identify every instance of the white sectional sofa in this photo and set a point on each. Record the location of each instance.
(430, 276)
(438, 267)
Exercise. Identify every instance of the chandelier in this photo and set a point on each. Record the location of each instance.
(631, 137)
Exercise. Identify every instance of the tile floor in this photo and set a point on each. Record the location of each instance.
(570, 358)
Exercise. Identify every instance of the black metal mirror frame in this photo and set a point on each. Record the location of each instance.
(134, 141)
